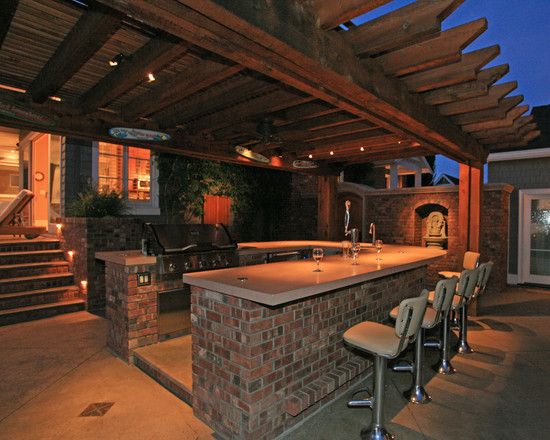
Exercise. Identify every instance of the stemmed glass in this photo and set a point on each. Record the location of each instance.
(378, 245)
(317, 256)
(355, 248)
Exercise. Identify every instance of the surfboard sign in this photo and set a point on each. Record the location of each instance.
(304, 164)
(138, 134)
(249, 154)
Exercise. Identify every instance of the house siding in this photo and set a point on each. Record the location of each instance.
(521, 174)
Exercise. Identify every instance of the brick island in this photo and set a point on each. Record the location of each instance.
(267, 339)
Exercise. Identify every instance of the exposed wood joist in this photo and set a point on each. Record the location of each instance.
(497, 121)
(304, 111)
(517, 124)
(7, 11)
(257, 107)
(330, 132)
(133, 71)
(418, 20)
(464, 70)
(471, 89)
(434, 52)
(184, 84)
(491, 100)
(383, 156)
(499, 112)
(263, 39)
(322, 149)
(212, 99)
(332, 13)
(321, 122)
(89, 34)
(527, 136)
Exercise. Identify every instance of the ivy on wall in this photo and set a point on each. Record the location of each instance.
(258, 196)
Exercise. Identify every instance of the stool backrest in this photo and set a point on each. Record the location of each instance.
(443, 296)
(467, 284)
(409, 318)
(471, 260)
(484, 274)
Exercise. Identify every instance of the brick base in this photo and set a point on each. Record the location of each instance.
(258, 370)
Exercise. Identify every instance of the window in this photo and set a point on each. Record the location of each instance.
(110, 167)
(125, 170)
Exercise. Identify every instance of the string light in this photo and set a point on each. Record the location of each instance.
(362, 148)
(311, 156)
(332, 153)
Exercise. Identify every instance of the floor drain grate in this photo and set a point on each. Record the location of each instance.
(98, 409)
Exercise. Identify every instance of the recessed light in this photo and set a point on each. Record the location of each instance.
(55, 98)
(311, 156)
(332, 153)
(151, 77)
(116, 60)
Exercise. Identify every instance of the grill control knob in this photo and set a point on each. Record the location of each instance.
(226, 263)
(202, 264)
(187, 265)
(171, 267)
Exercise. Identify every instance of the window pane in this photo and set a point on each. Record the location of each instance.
(540, 237)
(110, 169)
(139, 173)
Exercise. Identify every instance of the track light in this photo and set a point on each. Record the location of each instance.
(116, 60)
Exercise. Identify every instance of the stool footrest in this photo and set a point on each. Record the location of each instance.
(361, 403)
(433, 343)
(404, 366)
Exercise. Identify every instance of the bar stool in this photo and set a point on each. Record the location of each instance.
(443, 297)
(484, 271)
(470, 261)
(466, 285)
(385, 342)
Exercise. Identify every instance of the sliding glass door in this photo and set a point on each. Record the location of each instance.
(534, 246)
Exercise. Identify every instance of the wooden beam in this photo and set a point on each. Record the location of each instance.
(210, 100)
(304, 111)
(434, 52)
(467, 90)
(503, 147)
(527, 135)
(352, 142)
(7, 11)
(184, 84)
(418, 20)
(321, 122)
(255, 108)
(456, 73)
(499, 112)
(288, 47)
(498, 121)
(333, 13)
(516, 125)
(330, 132)
(150, 58)
(388, 154)
(94, 28)
(491, 100)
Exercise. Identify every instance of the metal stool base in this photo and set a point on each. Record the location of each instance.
(464, 348)
(417, 395)
(445, 368)
(378, 433)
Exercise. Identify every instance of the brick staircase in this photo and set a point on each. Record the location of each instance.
(35, 281)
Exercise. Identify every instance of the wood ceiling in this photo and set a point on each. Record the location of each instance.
(282, 78)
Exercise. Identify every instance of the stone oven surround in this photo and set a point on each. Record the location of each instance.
(398, 217)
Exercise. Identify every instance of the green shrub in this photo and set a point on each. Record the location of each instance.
(93, 203)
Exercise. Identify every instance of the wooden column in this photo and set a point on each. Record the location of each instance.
(469, 204)
(326, 207)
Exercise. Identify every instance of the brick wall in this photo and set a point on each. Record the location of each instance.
(259, 370)
(132, 311)
(86, 236)
(397, 218)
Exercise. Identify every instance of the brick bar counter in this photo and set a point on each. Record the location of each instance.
(267, 339)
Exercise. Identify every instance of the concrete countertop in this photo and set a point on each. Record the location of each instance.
(278, 283)
(126, 258)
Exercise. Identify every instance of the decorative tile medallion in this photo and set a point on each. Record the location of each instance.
(98, 409)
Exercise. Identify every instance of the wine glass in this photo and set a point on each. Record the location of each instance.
(355, 248)
(378, 245)
(346, 245)
(317, 256)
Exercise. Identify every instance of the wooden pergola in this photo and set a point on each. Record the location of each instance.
(290, 79)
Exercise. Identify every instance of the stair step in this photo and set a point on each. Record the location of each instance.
(19, 245)
(29, 313)
(40, 296)
(27, 269)
(19, 284)
(31, 256)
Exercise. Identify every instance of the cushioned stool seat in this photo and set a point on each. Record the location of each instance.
(449, 274)
(374, 337)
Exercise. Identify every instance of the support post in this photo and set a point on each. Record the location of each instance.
(418, 178)
(394, 176)
(469, 211)
(326, 208)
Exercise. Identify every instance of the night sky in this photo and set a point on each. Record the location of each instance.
(521, 28)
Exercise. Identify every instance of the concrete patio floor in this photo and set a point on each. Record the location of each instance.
(53, 369)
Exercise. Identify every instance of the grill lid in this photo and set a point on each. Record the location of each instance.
(180, 238)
